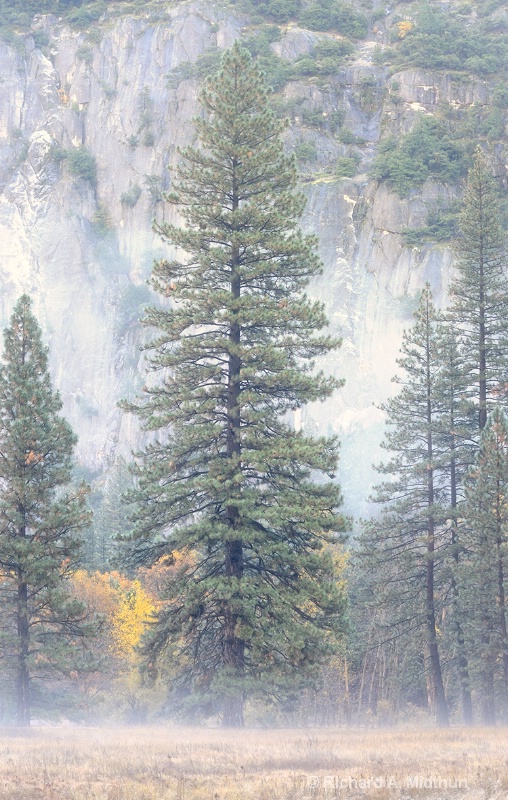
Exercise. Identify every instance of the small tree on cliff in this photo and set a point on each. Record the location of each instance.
(231, 485)
(39, 521)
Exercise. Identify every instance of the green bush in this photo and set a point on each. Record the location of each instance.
(41, 38)
(274, 10)
(370, 94)
(500, 95)
(84, 53)
(277, 10)
(84, 16)
(305, 151)
(493, 126)
(346, 136)
(148, 139)
(426, 152)
(331, 48)
(334, 15)
(327, 57)
(277, 70)
(131, 196)
(441, 226)
(133, 301)
(153, 184)
(346, 167)
(440, 40)
(206, 64)
(82, 164)
(101, 221)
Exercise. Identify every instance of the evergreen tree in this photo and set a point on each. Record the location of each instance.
(478, 313)
(479, 293)
(112, 520)
(39, 520)
(454, 440)
(230, 484)
(404, 544)
(485, 569)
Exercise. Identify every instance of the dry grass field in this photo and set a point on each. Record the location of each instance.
(181, 764)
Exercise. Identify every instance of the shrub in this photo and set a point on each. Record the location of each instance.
(101, 221)
(153, 185)
(346, 136)
(305, 151)
(277, 70)
(131, 196)
(493, 127)
(206, 64)
(84, 16)
(331, 48)
(441, 41)
(370, 94)
(132, 303)
(314, 118)
(84, 53)
(148, 139)
(441, 225)
(425, 152)
(82, 164)
(500, 95)
(278, 10)
(333, 15)
(327, 57)
(40, 38)
(346, 167)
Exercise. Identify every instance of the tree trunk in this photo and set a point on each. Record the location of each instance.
(487, 693)
(23, 676)
(463, 666)
(502, 615)
(437, 677)
(435, 663)
(482, 416)
(234, 647)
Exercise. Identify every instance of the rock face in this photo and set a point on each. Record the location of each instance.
(83, 248)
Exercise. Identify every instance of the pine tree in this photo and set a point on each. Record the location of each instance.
(230, 484)
(112, 519)
(484, 571)
(479, 294)
(39, 520)
(478, 313)
(405, 542)
(453, 437)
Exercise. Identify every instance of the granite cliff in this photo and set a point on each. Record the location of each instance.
(76, 235)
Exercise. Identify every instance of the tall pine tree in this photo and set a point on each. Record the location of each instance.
(478, 313)
(229, 484)
(39, 519)
(454, 437)
(484, 570)
(403, 546)
(479, 294)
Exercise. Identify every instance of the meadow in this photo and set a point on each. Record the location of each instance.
(160, 763)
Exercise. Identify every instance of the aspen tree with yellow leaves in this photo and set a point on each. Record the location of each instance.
(110, 670)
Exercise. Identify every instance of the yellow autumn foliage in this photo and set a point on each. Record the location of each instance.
(130, 620)
(404, 27)
(124, 605)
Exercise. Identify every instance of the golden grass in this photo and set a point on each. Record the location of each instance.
(161, 763)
